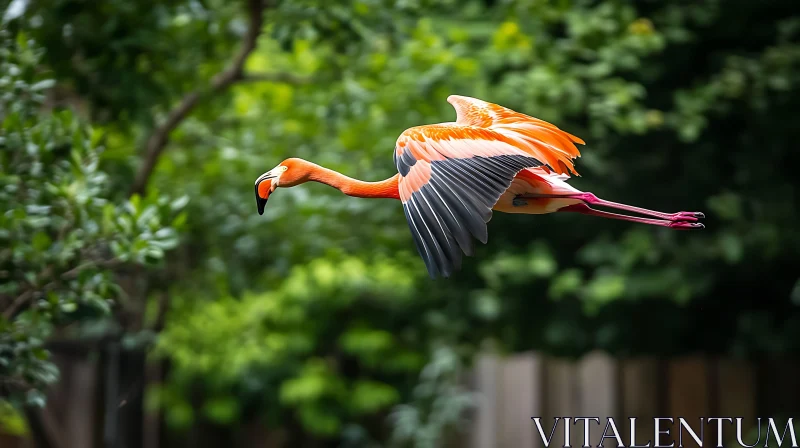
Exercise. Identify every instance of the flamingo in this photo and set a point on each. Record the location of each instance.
(451, 176)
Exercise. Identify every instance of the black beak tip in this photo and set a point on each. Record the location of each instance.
(261, 203)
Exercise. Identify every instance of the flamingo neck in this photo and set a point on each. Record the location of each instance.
(387, 188)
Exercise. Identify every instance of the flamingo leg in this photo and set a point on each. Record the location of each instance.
(590, 198)
(586, 210)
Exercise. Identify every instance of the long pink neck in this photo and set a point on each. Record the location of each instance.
(354, 187)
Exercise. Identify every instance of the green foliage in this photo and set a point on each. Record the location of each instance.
(438, 404)
(318, 315)
(61, 231)
(296, 346)
(145, 37)
(11, 421)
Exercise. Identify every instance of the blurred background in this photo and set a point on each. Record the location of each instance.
(145, 303)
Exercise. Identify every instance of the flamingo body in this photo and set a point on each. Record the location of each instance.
(451, 176)
(535, 191)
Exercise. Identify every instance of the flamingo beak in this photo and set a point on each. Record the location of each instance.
(261, 202)
(263, 192)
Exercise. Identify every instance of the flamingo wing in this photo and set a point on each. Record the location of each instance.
(452, 174)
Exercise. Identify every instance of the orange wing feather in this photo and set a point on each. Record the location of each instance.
(541, 139)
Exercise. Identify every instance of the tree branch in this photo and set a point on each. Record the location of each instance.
(159, 138)
(23, 298)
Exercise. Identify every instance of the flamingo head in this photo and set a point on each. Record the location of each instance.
(288, 173)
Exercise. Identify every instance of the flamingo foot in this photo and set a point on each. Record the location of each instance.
(686, 225)
(687, 216)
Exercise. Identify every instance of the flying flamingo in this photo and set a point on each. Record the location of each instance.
(452, 175)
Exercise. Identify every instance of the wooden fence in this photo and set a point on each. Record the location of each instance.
(514, 389)
(510, 390)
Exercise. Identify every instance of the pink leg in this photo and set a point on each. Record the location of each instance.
(590, 198)
(586, 210)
